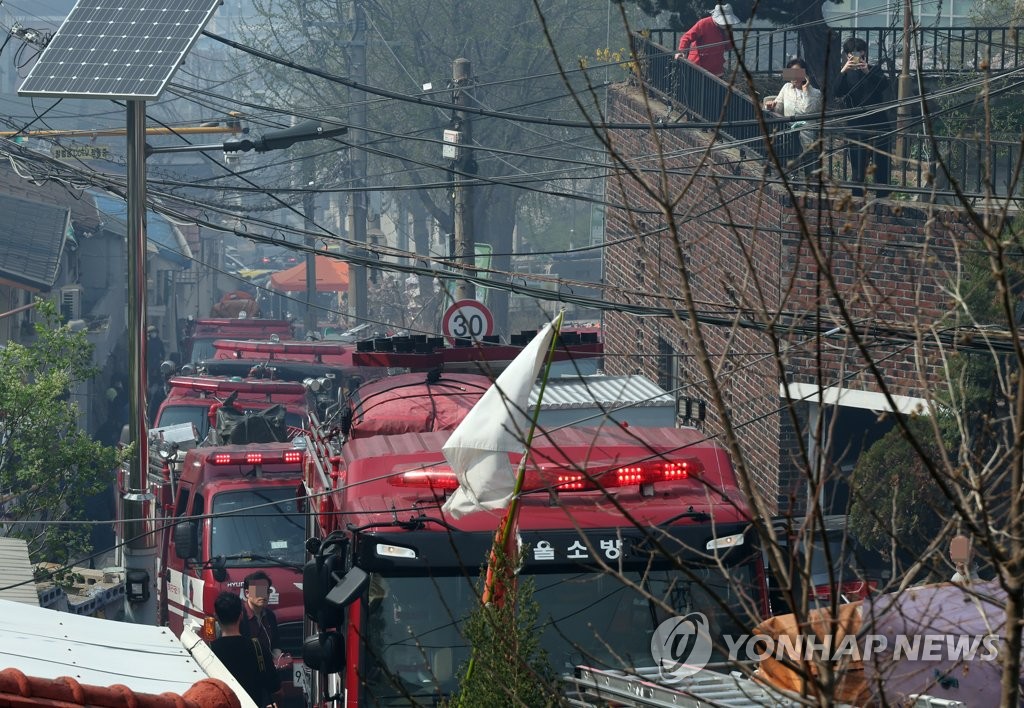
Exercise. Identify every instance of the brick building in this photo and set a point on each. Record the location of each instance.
(747, 249)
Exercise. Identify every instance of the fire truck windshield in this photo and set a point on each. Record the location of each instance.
(176, 415)
(203, 349)
(263, 522)
(414, 647)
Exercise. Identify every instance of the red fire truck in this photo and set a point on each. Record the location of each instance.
(390, 406)
(189, 399)
(200, 334)
(331, 353)
(392, 577)
(225, 510)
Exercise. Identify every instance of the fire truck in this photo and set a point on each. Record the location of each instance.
(610, 518)
(224, 496)
(227, 504)
(189, 399)
(328, 353)
(200, 335)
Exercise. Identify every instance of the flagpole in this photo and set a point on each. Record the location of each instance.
(504, 535)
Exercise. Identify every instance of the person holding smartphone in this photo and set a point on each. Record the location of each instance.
(865, 86)
(798, 97)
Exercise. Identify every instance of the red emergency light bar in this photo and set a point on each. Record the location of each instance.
(287, 457)
(442, 477)
(212, 385)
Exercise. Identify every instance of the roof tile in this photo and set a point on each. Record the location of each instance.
(20, 691)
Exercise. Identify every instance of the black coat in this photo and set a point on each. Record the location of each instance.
(856, 89)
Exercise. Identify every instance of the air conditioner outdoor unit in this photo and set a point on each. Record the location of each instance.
(71, 302)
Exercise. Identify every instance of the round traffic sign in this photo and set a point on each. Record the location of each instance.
(467, 319)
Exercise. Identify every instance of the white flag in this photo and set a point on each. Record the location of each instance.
(497, 425)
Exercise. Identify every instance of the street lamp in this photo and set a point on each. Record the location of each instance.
(280, 140)
(273, 140)
(140, 548)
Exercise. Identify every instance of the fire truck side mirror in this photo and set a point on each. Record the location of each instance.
(350, 587)
(319, 578)
(324, 652)
(312, 597)
(186, 540)
(219, 566)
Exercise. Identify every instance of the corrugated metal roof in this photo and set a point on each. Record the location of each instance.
(16, 581)
(50, 644)
(32, 237)
(609, 391)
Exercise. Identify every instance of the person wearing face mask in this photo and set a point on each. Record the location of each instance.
(798, 97)
(865, 86)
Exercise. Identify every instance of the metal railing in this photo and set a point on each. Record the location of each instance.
(943, 50)
(701, 92)
(979, 167)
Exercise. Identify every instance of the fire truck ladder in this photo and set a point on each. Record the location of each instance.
(597, 688)
(646, 688)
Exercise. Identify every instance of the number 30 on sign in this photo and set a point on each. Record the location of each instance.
(467, 319)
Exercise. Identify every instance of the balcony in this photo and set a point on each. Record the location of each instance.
(977, 168)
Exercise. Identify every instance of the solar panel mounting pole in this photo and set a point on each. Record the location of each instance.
(140, 542)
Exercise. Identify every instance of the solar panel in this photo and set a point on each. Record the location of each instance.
(118, 48)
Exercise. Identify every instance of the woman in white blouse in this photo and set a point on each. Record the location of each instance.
(798, 97)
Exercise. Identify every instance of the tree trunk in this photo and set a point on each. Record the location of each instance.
(495, 219)
(429, 312)
(821, 47)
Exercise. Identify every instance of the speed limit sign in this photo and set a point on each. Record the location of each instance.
(467, 319)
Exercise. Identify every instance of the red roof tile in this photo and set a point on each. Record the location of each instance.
(18, 690)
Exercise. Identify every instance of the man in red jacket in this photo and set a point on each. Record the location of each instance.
(708, 39)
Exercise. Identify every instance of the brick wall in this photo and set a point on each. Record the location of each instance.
(747, 251)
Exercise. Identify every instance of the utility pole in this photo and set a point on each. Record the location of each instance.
(465, 163)
(357, 305)
(139, 540)
(309, 212)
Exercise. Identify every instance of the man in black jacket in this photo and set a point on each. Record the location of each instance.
(866, 87)
(246, 659)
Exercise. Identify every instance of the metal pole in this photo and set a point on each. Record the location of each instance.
(309, 212)
(903, 88)
(140, 544)
(465, 248)
(357, 289)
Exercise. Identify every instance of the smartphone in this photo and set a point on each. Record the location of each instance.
(794, 73)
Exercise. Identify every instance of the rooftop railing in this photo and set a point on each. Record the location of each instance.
(942, 50)
(977, 167)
